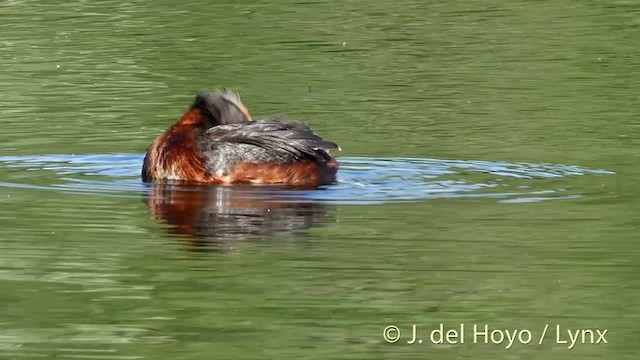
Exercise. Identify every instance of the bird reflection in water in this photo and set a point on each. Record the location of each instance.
(211, 216)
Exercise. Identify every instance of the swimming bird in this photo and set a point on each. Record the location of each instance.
(217, 142)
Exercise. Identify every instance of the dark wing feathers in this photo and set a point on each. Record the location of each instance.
(277, 136)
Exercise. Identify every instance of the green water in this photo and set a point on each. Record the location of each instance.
(96, 276)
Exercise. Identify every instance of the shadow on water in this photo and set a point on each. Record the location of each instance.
(208, 215)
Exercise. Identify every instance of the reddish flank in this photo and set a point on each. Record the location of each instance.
(217, 142)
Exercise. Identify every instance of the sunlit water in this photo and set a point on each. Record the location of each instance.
(361, 180)
(488, 175)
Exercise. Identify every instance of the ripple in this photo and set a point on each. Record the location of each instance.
(361, 180)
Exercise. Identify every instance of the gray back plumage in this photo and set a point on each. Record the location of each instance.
(276, 139)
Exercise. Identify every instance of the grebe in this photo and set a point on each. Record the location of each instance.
(217, 142)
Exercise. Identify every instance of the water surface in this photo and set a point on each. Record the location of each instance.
(487, 177)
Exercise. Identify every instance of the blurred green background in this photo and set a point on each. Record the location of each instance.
(95, 277)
